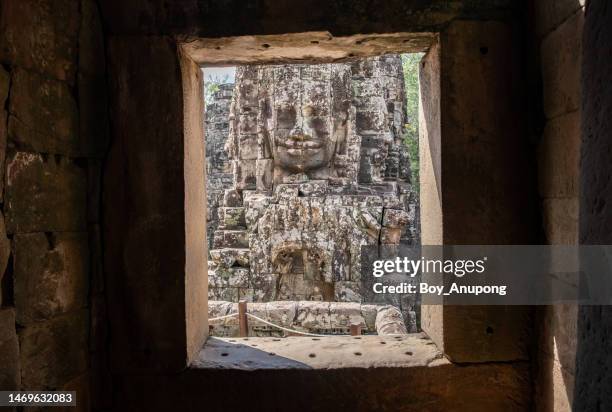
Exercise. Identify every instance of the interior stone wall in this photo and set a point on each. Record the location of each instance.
(556, 53)
(53, 138)
(593, 372)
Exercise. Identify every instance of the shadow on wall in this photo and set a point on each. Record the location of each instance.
(593, 358)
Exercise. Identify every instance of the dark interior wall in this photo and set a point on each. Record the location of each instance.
(593, 360)
(53, 138)
(554, 37)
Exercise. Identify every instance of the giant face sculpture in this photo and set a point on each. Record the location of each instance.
(303, 135)
(307, 146)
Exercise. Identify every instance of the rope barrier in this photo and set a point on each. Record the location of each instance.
(223, 317)
(231, 315)
(285, 329)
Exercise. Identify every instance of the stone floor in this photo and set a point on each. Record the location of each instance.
(332, 352)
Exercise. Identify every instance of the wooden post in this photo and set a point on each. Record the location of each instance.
(355, 329)
(242, 318)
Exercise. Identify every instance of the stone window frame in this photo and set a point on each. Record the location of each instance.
(311, 47)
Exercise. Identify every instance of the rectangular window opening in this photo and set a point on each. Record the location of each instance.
(306, 162)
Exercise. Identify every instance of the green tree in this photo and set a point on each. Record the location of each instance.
(211, 86)
(410, 65)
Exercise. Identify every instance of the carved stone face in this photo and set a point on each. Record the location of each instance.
(307, 145)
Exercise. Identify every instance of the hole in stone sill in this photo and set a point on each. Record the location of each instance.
(224, 354)
(489, 330)
(357, 353)
(484, 50)
(271, 353)
(398, 338)
(245, 339)
(254, 345)
(265, 45)
(316, 339)
(314, 42)
(276, 340)
(357, 337)
(218, 48)
(312, 355)
(383, 343)
(408, 353)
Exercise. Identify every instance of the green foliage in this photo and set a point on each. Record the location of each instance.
(410, 65)
(211, 86)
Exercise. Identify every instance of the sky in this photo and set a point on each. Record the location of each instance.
(219, 73)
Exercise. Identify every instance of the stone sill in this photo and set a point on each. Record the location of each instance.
(334, 352)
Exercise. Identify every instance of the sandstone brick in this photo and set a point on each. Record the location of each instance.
(54, 352)
(561, 61)
(9, 351)
(43, 114)
(559, 157)
(51, 274)
(41, 35)
(561, 220)
(44, 194)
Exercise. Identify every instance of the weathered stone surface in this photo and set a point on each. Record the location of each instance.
(53, 352)
(51, 274)
(44, 193)
(559, 157)
(389, 321)
(550, 14)
(41, 35)
(561, 220)
(4, 92)
(298, 152)
(5, 252)
(561, 56)
(9, 351)
(43, 114)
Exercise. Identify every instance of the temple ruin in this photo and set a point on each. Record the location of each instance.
(318, 169)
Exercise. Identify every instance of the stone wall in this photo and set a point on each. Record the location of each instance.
(53, 137)
(219, 175)
(594, 327)
(557, 49)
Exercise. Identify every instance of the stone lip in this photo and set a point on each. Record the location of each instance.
(334, 352)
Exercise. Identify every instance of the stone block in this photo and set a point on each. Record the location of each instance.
(313, 315)
(561, 220)
(44, 194)
(245, 174)
(559, 157)
(223, 277)
(5, 252)
(344, 314)
(549, 14)
(4, 91)
(265, 174)
(51, 273)
(231, 217)
(230, 257)
(390, 236)
(43, 114)
(9, 351)
(232, 198)
(561, 55)
(313, 188)
(282, 313)
(54, 352)
(231, 238)
(41, 35)
(395, 218)
(347, 291)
